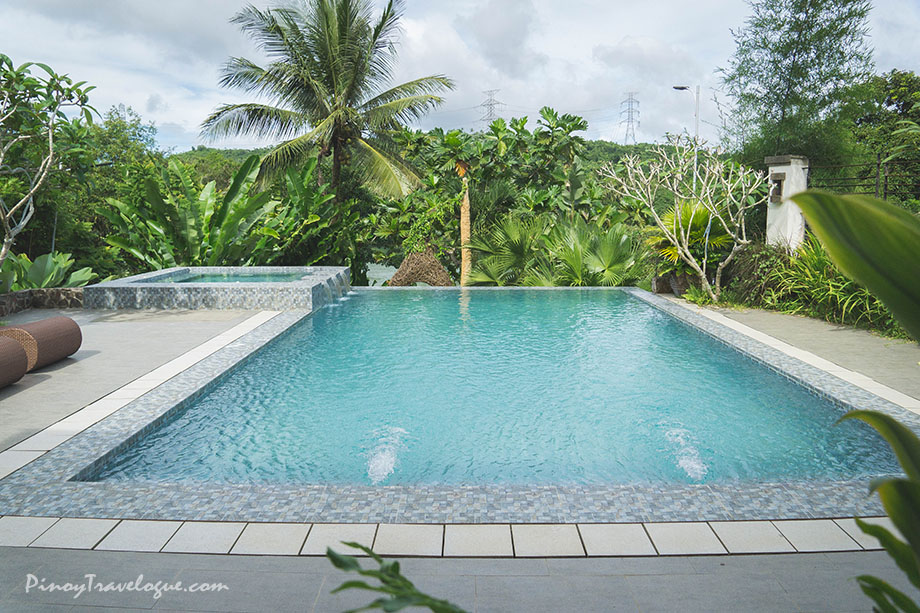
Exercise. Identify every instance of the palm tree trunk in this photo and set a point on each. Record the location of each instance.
(337, 152)
(465, 255)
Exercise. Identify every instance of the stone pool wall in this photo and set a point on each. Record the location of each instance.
(321, 285)
(45, 298)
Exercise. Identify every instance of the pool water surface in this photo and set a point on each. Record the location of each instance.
(524, 387)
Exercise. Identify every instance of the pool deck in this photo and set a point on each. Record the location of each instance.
(564, 572)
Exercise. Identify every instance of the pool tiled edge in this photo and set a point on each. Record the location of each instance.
(442, 540)
(44, 488)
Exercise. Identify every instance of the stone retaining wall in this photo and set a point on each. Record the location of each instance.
(46, 298)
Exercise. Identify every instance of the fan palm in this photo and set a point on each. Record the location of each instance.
(330, 61)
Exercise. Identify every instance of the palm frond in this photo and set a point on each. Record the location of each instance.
(294, 152)
(259, 120)
(382, 172)
(392, 115)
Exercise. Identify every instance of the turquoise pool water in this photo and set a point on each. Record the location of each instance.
(501, 387)
(237, 277)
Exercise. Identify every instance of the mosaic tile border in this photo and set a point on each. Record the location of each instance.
(44, 488)
(319, 285)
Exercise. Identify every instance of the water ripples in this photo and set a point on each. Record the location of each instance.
(522, 387)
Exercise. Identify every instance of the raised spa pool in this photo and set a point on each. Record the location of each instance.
(238, 277)
(501, 387)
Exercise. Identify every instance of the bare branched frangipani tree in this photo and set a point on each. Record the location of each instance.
(32, 113)
(721, 191)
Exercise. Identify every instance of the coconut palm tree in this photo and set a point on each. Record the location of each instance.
(327, 88)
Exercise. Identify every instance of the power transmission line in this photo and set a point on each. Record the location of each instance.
(629, 110)
(489, 106)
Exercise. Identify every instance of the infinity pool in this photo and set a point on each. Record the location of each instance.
(501, 387)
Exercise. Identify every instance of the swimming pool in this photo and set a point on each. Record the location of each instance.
(514, 388)
(64, 482)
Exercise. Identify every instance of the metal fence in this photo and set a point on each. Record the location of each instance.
(897, 180)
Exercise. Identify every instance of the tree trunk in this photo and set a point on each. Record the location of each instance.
(323, 152)
(465, 255)
(5, 250)
(336, 167)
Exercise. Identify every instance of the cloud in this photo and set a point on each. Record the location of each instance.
(156, 103)
(502, 30)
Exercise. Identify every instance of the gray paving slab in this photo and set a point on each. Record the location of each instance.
(118, 347)
(552, 594)
(245, 591)
(709, 592)
(708, 583)
(892, 362)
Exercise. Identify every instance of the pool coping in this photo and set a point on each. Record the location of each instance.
(37, 490)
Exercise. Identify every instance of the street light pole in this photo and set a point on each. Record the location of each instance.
(696, 122)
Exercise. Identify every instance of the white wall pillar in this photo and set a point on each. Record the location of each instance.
(785, 223)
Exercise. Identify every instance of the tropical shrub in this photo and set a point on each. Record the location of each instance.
(806, 282)
(707, 241)
(508, 251)
(178, 224)
(810, 284)
(425, 218)
(534, 252)
(50, 270)
(750, 277)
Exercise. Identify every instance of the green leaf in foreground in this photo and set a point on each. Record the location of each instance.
(873, 242)
(903, 441)
(901, 499)
(401, 593)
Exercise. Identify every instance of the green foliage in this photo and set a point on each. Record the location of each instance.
(36, 135)
(399, 592)
(753, 272)
(330, 62)
(308, 227)
(188, 226)
(696, 295)
(880, 107)
(707, 239)
(808, 283)
(793, 64)
(123, 149)
(901, 498)
(218, 165)
(18, 272)
(534, 252)
(873, 242)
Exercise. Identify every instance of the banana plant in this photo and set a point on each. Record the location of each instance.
(49, 270)
(876, 244)
(182, 225)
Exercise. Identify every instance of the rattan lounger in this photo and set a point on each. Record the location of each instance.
(13, 361)
(46, 341)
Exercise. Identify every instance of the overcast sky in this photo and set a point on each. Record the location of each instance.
(162, 57)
